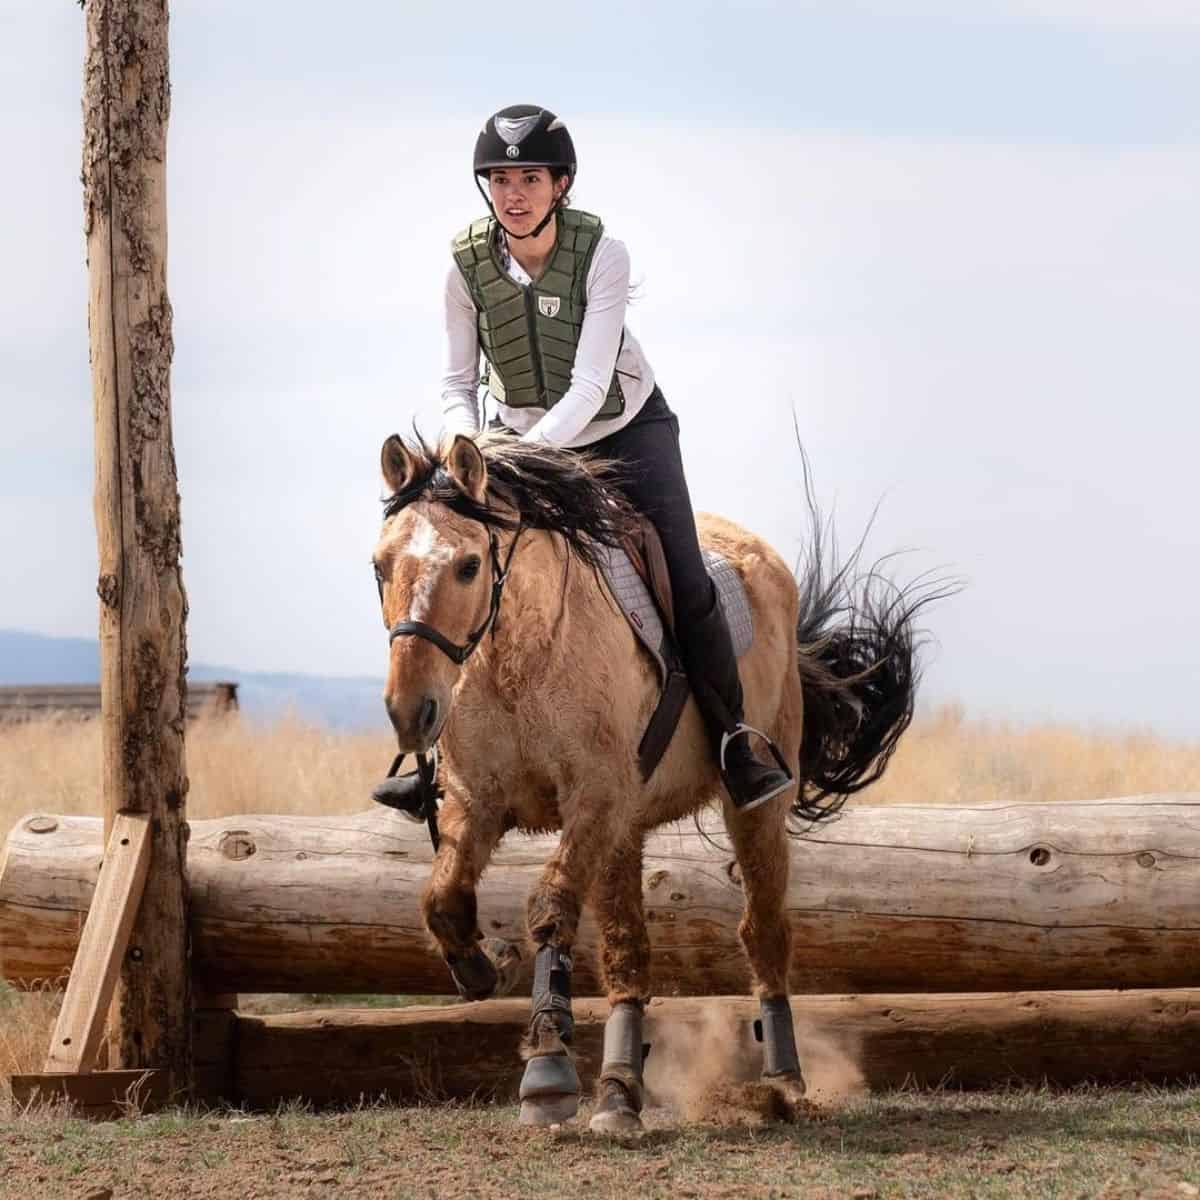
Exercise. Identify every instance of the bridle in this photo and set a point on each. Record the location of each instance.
(460, 654)
(422, 802)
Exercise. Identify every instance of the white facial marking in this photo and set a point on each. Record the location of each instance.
(435, 552)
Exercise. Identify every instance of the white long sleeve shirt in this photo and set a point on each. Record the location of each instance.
(570, 423)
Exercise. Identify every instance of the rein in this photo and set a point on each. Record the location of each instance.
(420, 803)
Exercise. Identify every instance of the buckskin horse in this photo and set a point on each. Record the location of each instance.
(508, 653)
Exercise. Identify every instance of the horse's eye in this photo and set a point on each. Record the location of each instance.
(468, 568)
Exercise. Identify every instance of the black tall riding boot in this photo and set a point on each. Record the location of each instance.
(713, 673)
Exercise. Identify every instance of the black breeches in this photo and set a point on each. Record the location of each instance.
(648, 449)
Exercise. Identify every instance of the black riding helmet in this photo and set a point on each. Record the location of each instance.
(524, 135)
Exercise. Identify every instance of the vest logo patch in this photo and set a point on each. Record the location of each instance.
(548, 306)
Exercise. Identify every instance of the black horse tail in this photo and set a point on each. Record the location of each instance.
(858, 664)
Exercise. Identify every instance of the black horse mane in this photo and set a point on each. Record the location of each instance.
(540, 487)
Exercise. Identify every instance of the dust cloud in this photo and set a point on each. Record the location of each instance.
(708, 1069)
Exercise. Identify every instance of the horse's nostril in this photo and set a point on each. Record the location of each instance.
(428, 717)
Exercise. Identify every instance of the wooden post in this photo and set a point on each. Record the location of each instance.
(126, 102)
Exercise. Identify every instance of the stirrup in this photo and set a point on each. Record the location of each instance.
(739, 730)
(414, 794)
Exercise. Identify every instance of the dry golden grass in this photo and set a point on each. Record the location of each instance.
(26, 1023)
(234, 766)
(290, 767)
(947, 759)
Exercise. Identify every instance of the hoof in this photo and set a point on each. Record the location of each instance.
(505, 957)
(549, 1110)
(549, 1090)
(615, 1114)
(791, 1089)
(549, 1075)
(474, 975)
(616, 1122)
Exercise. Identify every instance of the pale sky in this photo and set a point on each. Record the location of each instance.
(957, 240)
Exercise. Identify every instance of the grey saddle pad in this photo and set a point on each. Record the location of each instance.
(634, 599)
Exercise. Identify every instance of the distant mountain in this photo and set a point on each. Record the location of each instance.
(340, 702)
(34, 658)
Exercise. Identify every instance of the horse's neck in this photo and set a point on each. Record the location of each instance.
(548, 600)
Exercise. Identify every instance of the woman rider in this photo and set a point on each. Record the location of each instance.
(541, 289)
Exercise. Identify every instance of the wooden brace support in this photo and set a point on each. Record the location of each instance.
(70, 1065)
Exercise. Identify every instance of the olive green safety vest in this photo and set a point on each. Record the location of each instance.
(529, 334)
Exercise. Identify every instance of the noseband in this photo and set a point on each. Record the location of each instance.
(460, 654)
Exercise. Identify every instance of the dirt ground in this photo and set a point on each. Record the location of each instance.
(1032, 1143)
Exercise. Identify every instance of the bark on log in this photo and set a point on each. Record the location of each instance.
(846, 1043)
(890, 899)
(126, 100)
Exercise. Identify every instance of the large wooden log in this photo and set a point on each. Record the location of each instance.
(126, 101)
(888, 899)
(846, 1043)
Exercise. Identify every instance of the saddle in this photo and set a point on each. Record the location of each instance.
(638, 580)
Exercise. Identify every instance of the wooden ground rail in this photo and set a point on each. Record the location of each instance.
(893, 899)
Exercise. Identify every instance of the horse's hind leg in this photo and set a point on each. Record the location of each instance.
(625, 959)
(469, 834)
(760, 840)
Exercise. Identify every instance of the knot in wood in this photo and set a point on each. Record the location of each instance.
(1146, 859)
(108, 590)
(237, 844)
(1039, 856)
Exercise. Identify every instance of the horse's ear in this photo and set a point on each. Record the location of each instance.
(465, 466)
(397, 464)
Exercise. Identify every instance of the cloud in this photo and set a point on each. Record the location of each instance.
(1116, 15)
(995, 337)
(1111, 14)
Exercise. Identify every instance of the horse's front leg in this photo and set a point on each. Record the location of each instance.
(625, 957)
(470, 831)
(550, 1086)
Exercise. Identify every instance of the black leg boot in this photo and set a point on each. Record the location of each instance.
(713, 673)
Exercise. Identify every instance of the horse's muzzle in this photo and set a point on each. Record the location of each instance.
(417, 723)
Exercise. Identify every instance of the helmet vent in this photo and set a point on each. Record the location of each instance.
(515, 129)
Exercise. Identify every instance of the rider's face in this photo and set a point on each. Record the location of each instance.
(522, 195)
